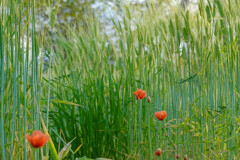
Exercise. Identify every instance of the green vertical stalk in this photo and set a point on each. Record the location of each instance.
(14, 91)
(141, 70)
(177, 116)
(33, 81)
(2, 88)
(24, 94)
(25, 72)
(232, 104)
(189, 91)
(149, 115)
(36, 81)
(33, 67)
(202, 94)
(20, 71)
(226, 102)
(48, 94)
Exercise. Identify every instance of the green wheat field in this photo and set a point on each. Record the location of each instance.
(76, 83)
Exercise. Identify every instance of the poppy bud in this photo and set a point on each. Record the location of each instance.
(158, 152)
(148, 99)
(185, 157)
(177, 156)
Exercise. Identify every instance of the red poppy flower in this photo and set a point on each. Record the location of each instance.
(140, 94)
(38, 139)
(161, 115)
(158, 152)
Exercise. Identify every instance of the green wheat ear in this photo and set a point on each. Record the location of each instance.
(52, 17)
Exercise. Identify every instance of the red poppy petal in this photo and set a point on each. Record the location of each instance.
(38, 139)
(143, 94)
(28, 137)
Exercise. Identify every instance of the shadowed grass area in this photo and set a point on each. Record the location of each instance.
(187, 62)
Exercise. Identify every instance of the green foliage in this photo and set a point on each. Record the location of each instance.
(52, 17)
(187, 62)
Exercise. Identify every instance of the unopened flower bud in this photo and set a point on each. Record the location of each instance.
(177, 156)
(185, 157)
(158, 152)
(148, 99)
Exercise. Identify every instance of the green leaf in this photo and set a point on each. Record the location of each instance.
(65, 102)
(50, 142)
(217, 50)
(65, 150)
(208, 13)
(201, 8)
(171, 28)
(84, 158)
(220, 9)
(187, 79)
(185, 33)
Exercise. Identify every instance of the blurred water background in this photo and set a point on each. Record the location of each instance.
(77, 13)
